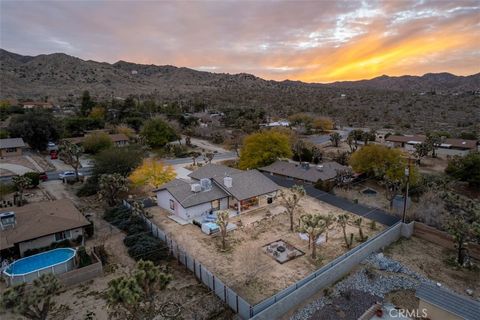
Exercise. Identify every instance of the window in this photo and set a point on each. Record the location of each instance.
(59, 236)
(9, 150)
(216, 204)
(172, 204)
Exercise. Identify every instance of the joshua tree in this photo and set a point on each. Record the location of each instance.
(111, 185)
(195, 155)
(70, 153)
(132, 296)
(358, 223)
(343, 220)
(313, 225)
(33, 302)
(291, 201)
(433, 140)
(209, 157)
(21, 183)
(329, 220)
(222, 221)
(335, 139)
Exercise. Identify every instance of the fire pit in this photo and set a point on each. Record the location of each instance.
(282, 251)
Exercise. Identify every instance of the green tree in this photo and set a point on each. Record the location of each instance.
(76, 126)
(335, 139)
(290, 201)
(71, 153)
(158, 133)
(222, 222)
(133, 296)
(263, 148)
(36, 128)
(97, 142)
(433, 140)
(33, 302)
(465, 168)
(313, 225)
(21, 183)
(353, 138)
(87, 103)
(421, 151)
(111, 186)
(118, 160)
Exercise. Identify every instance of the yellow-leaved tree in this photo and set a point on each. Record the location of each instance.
(152, 173)
(263, 148)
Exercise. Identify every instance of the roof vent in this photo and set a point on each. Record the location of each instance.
(320, 167)
(196, 187)
(7, 220)
(206, 184)
(228, 182)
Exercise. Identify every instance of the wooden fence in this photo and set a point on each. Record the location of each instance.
(442, 238)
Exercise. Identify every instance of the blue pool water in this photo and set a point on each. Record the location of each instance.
(40, 261)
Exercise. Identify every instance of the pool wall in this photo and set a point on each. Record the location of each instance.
(58, 268)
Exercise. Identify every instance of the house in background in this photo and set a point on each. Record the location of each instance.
(11, 147)
(36, 105)
(448, 146)
(304, 172)
(40, 224)
(216, 187)
(118, 139)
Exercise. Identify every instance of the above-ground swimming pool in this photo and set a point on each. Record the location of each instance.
(27, 269)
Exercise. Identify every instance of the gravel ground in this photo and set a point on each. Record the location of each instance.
(378, 276)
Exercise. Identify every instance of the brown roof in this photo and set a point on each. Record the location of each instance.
(312, 173)
(40, 219)
(448, 142)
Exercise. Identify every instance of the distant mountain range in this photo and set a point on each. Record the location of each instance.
(439, 101)
(57, 75)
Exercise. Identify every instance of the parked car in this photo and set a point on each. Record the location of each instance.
(43, 176)
(68, 175)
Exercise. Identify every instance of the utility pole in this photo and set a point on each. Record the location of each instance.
(407, 174)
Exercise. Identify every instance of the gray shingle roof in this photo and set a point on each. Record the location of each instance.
(181, 190)
(461, 306)
(312, 174)
(213, 170)
(247, 184)
(11, 143)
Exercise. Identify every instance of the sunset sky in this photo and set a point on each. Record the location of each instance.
(313, 41)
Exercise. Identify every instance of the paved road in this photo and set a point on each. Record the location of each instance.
(217, 156)
(376, 214)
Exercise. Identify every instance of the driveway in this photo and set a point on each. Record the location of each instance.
(371, 213)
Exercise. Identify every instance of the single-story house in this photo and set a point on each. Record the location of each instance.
(440, 304)
(304, 172)
(36, 105)
(37, 225)
(448, 146)
(216, 187)
(11, 147)
(118, 139)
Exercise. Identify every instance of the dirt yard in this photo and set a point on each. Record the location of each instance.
(430, 259)
(244, 266)
(378, 200)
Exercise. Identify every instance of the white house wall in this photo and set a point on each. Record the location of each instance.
(163, 201)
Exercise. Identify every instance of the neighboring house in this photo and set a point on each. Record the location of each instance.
(36, 105)
(118, 139)
(37, 225)
(448, 146)
(274, 124)
(11, 147)
(440, 304)
(216, 187)
(304, 172)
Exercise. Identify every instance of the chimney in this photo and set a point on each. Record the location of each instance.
(227, 182)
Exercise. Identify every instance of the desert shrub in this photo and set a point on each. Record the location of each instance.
(134, 238)
(34, 177)
(326, 186)
(84, 259)
(89, 188)
(148, 248)
(6, 188)
(95, 143)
